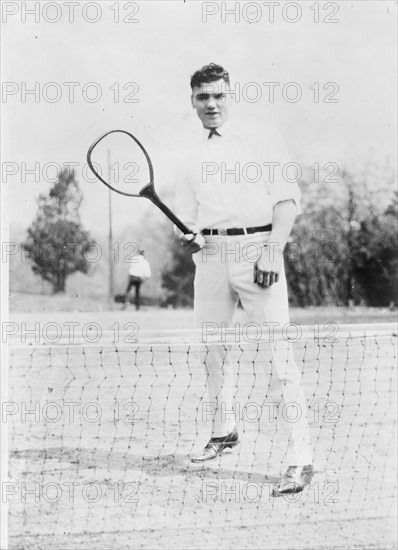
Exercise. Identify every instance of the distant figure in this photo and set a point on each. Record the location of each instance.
(139, 270)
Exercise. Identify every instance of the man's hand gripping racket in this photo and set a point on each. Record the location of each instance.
(121, 162)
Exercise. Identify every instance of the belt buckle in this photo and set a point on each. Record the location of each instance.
(222, 232)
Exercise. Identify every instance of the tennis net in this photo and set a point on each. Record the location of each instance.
(100, 437)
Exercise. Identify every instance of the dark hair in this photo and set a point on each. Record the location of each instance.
(209, 73)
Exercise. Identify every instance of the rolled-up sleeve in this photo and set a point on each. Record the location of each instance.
(282, 173)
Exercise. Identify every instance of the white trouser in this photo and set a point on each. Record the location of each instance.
(224, 274)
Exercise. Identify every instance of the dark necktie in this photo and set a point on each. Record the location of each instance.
(213, 132)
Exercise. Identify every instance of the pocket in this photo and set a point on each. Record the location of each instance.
(251, 251)
(197, 258)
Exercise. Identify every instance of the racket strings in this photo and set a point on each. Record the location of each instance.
(120, 163)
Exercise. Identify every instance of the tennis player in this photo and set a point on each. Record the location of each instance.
(240, 219)
(139, 271)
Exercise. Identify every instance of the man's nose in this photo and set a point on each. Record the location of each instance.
(211, 103)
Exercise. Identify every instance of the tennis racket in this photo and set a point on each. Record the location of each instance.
(122, 163)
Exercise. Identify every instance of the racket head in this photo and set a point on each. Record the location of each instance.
(121, 162)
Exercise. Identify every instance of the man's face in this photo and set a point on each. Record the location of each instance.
(211, 101)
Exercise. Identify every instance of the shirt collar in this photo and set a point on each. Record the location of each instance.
(223, 130)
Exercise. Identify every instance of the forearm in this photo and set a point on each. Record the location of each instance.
(282, 222)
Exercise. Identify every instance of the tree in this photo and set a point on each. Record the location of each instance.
(344, 246)
(376, 257)
(56, 242)
(178, 275)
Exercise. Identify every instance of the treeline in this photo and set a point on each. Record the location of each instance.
(342, 251)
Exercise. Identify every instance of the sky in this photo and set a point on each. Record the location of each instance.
(140, 72)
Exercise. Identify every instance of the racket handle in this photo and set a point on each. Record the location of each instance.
(149, 193)
(182, 227)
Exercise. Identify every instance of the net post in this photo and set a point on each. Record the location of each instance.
(110, 236)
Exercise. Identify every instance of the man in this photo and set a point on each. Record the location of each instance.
(230, 207)
(139, 270)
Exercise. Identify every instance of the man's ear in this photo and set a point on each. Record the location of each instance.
(192, 101)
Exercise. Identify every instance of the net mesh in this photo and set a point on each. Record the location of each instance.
(100, 438)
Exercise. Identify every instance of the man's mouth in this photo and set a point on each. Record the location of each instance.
(212, 114)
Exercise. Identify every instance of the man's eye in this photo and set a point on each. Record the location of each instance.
(202, 98)
(219, 96)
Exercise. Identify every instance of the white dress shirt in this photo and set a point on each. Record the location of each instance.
(139, 267)
(223, 182)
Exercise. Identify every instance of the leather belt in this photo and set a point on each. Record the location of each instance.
(237, 230)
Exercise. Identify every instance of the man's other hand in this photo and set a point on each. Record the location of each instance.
(193, 242)
(268, 267)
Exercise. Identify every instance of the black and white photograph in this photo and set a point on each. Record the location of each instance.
(199, 275)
